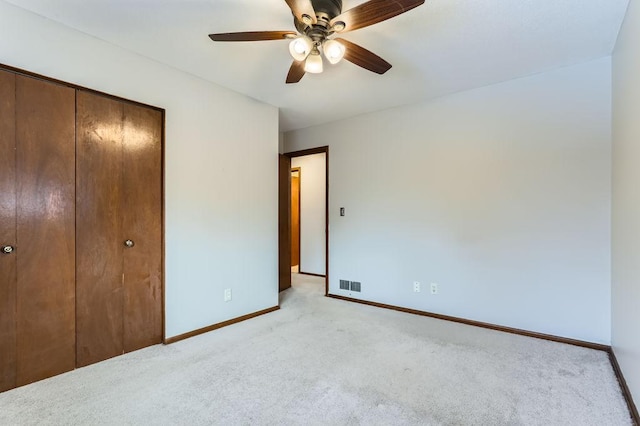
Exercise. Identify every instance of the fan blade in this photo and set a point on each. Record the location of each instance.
(372, 12)
(253, 36)
(301, 8)
(296, 72)
(363, 58)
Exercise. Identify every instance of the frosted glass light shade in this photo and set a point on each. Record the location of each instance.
(313, 64)
(300, 47)
(334, 51)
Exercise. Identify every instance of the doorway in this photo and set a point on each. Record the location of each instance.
(303, 219)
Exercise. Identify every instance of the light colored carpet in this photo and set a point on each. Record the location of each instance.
(324, 361)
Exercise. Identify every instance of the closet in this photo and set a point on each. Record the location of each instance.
(80, 227)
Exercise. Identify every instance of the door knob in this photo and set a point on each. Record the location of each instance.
(7, 249)
(129, 243)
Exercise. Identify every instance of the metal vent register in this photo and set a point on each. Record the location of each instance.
(344, 285)
(351, 286)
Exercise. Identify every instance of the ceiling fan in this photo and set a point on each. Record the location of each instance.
(317, 22)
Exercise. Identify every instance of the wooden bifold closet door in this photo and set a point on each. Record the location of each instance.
(8, 275)
(118, 227)
(37, 229)
(80, 228)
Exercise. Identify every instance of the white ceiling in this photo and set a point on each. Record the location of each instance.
(442, 47)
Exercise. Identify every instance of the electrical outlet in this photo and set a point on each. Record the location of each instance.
(416, 287)
(434, 288)
(227, 295)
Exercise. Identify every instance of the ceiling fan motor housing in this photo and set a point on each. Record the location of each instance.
(332, 8)
(325, 10)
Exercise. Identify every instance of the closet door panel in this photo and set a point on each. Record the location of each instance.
(142, 221)
(45, 169)
(99, 234)
(7, 231)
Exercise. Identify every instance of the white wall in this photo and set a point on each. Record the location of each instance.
(626, 200)
(312, 212)
(221, 225)
(501, 195)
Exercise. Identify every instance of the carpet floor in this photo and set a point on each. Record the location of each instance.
(320, 361)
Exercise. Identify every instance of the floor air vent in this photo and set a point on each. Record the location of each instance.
(356, 286)
(344, 285)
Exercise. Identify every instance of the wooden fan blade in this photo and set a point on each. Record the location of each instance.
(363, 58)
(296, 72)
(253, 36)
(374, 11)
(301, 8)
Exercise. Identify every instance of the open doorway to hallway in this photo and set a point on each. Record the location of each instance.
(303, 215)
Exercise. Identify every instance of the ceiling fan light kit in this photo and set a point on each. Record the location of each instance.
(301, 47)
(314, 64)
(334, 51)
(316, 22)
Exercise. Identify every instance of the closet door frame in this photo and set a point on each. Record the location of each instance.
(26, 73)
